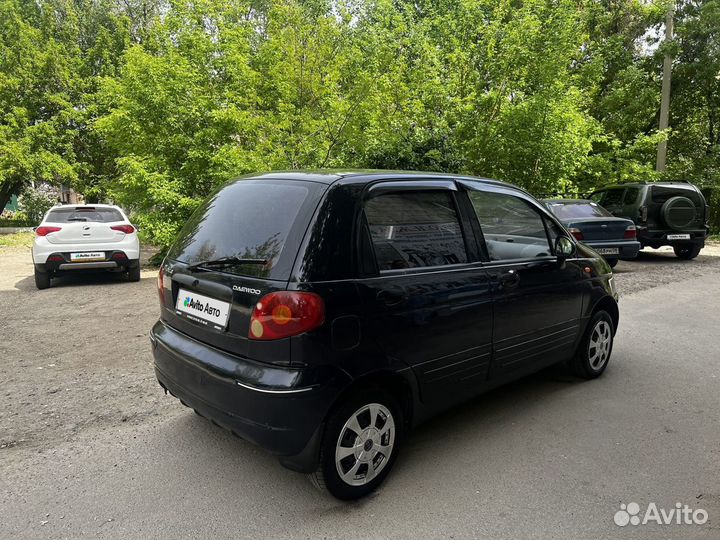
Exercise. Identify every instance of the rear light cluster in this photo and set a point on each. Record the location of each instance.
(44, 231)
(577, 233)
(127, 229)
(286, 313)
(630, 233)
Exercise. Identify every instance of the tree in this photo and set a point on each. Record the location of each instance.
(37, 92)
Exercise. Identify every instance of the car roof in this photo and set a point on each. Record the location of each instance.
(355, 176)
(661, 184)
(570, 201)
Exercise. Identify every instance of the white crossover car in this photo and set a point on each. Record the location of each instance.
(85, 237)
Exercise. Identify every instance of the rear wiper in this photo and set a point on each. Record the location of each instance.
(77, 219)
(226, 261)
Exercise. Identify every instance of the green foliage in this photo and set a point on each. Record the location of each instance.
(155, 103)
(17, 240)
(34, 204)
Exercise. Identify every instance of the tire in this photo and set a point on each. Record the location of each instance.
(600, 330)
(42, 279)
(687, 251)
(134, 272)
(612, 262)
(367, 450)
(679, 213)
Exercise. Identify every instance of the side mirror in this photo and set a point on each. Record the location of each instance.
(564, 247)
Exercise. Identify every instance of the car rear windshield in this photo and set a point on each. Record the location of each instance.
(578, 210)
(660, 194)
(250, 219)
(84, 213)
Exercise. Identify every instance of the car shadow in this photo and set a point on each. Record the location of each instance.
(471, 420)
(663, 257)
(80, 279)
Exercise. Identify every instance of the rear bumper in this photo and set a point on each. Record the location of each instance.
(62, 262)
(279, 409)
(42, 249)
(627, 249)
(657, 238)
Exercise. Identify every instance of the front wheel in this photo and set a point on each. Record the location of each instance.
(360, 445)
(593, 354)
(687, 252)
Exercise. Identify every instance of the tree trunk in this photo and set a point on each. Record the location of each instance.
(7, 190)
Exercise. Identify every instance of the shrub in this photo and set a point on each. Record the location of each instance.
(34, 204)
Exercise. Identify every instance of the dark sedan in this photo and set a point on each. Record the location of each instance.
(612, 237)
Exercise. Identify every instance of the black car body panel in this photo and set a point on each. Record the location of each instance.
(433, 335)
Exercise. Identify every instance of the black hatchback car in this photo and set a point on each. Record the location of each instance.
(321, 315)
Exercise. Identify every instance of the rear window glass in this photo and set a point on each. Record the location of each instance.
(577, 210)
(661, 194)
(70, 214)
(249, 220)
(410, 230)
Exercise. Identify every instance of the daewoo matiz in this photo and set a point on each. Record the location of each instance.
(321, 315)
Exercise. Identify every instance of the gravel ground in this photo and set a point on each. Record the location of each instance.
(76, 358)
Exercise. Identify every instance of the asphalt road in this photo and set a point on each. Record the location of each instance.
(549, 456)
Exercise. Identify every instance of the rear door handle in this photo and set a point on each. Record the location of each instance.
(509, 279)
(390, 298)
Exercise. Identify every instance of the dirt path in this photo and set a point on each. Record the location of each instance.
(76, 357)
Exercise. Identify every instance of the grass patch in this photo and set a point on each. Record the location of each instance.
(21, 239)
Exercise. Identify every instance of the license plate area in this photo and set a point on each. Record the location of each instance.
(608, 251)
(678, 236)
(202, 309)
(87, 256)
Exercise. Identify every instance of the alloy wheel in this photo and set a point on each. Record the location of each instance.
(365, 444)
(599, 345)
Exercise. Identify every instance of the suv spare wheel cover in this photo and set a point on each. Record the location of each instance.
(678, 212)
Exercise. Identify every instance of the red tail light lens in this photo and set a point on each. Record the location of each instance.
(127, 229)
(577, 233)
(630, 233)
(44, 231)
(161, 285)
(286, 313)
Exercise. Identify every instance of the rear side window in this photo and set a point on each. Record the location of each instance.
(631, 196)
(511, 227)
(261, 220)
(613, 197)
(415, 229)
(84, 213)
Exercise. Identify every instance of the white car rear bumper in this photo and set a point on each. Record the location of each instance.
(42, 249)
